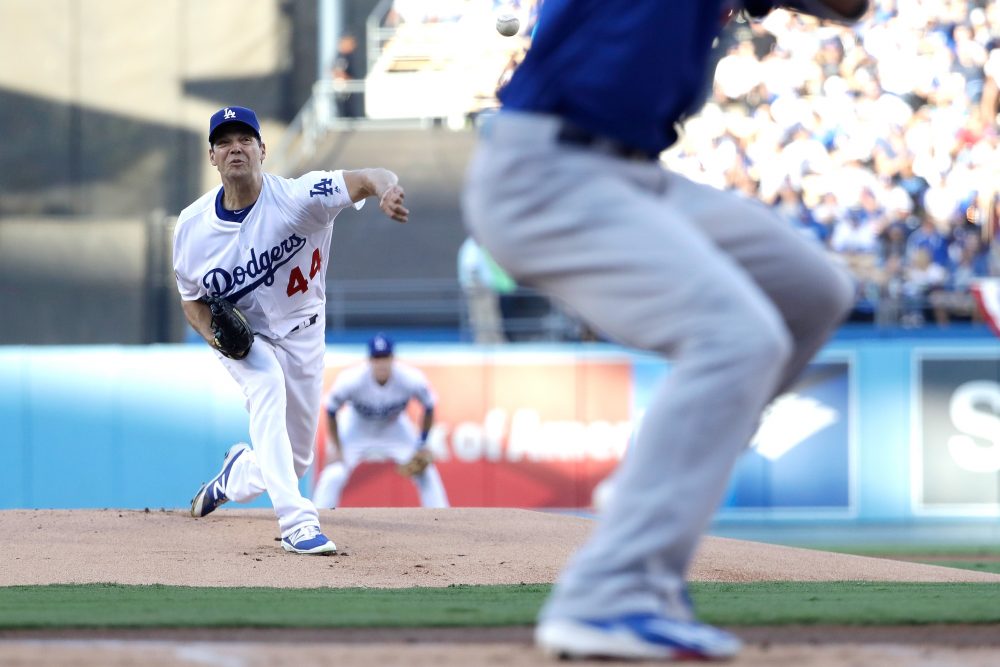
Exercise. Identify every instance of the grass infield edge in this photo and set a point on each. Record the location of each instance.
(108, 606)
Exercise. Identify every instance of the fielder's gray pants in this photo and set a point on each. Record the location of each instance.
(737, 299)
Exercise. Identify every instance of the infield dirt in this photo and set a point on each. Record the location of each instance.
(414, 547)
(381, 548)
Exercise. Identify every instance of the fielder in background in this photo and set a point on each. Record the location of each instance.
(374, 425)
(566, 192)
(262, 243)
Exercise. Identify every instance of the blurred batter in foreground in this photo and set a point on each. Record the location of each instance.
(567, 194)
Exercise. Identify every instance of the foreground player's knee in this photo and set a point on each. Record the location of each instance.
(770, 345)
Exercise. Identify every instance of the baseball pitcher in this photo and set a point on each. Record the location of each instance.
(250, 257)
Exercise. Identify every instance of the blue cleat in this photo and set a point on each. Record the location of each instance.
(635, 637)
(213, 494)
(308, 540)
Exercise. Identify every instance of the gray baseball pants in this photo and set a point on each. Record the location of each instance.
(737, 299)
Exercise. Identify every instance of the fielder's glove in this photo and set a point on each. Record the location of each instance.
(233, 335)
(417, 463)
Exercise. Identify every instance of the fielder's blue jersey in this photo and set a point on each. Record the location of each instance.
(625, 69)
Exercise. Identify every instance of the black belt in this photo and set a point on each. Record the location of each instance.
(577, 136)
(308, 323)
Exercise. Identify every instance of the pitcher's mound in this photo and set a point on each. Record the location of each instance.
(379, 548)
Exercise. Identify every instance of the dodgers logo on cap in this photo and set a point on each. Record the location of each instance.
(380, 346)
(233, 115)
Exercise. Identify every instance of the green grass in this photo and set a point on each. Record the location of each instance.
(978, 566)
(780, 603)
(936, 554)
(112, 605)
(850, 603)
(914, 550)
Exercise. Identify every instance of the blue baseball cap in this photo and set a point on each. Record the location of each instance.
(229, 115)
(380, 346)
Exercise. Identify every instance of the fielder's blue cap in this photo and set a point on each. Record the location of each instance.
(231, 115)
(380, 346)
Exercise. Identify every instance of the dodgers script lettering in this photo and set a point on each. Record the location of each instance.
(260, 269)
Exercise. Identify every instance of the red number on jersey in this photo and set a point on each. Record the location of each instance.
(317, 264)
(296, 282)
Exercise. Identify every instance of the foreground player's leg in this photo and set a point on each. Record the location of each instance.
(611, 239)
(812, 294)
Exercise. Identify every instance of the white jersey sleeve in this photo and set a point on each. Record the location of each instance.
(419, 387)
(344, 388)
(189, 289)
(324, 194)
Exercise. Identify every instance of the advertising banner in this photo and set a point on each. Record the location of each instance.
(511, 431)
(544, 430)
(802, 455)
(956, 435)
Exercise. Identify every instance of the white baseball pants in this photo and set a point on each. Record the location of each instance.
(282, 381)
(362, 439)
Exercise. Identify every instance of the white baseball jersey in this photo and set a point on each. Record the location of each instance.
(375, 427)
(272, 265)
(376, 403)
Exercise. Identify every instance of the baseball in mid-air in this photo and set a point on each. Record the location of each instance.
(508, 25)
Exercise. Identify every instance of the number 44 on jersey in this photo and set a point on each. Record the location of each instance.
(297, 282)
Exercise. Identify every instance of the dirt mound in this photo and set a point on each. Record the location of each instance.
(382, 548)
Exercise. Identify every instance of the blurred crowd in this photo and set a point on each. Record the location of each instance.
(877, 141)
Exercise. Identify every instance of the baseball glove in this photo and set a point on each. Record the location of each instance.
(417, 463)
(233, 335)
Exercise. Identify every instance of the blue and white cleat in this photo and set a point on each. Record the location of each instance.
(635, 637)
(308, 540)
(213, 494)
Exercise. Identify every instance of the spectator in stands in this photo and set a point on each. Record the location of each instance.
(790, 206)
(346, 68)
(892, 241)
(956, 298)
(928, 238)
(922, 277)
(914, 184)
(829, 214)
(855, 238)
(738, 71)
(804, 154)
(970, 58)
(959, 230)
(989, 102)
(891, 279)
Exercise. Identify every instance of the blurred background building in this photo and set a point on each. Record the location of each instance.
(883, 148)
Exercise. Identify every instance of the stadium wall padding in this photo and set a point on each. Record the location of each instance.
(875, 430)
